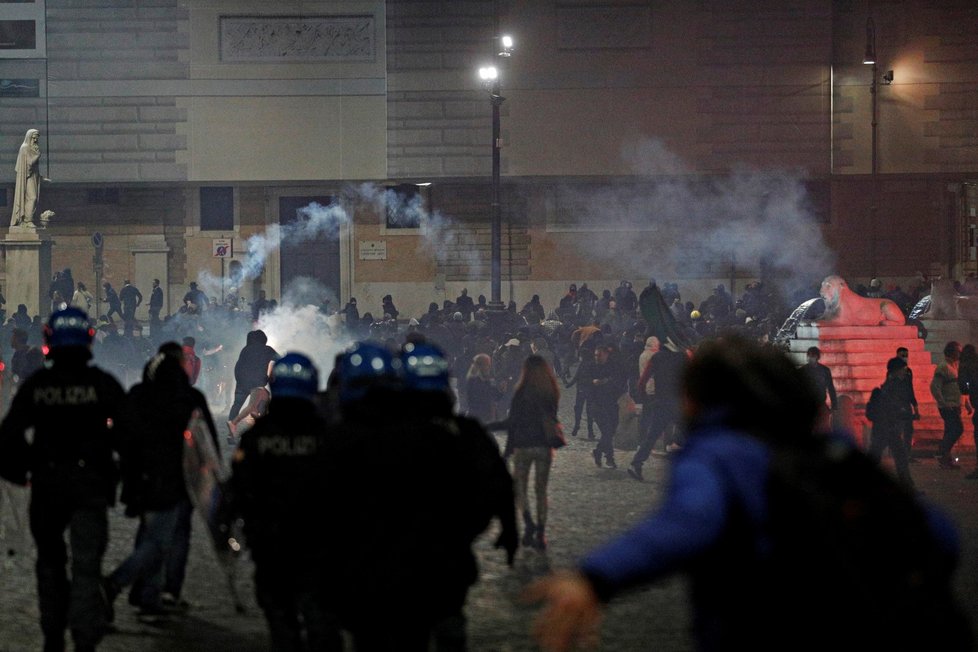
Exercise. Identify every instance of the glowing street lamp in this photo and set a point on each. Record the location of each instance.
(489, 75)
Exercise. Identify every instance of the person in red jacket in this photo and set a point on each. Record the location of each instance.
(191, 361)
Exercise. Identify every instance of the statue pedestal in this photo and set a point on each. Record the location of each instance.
(28, 268)
(857, 356)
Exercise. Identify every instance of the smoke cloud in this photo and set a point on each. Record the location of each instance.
(313, 221)
(694, 227)
(299, 324)
(444, 239)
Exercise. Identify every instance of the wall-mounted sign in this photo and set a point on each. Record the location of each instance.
(373, 250)
(20, 88)
(222, 248)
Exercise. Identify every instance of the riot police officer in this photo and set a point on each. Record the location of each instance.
(275, 482)
(400, 562)
(71, 406)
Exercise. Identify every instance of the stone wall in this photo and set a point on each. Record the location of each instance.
(927, 121)
(438, 116)
(106, 120)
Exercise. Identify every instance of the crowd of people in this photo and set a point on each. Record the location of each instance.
(710, 384)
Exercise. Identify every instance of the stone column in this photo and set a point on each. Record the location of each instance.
(28, 255)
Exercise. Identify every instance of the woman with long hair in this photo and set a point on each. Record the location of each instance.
(532, 416)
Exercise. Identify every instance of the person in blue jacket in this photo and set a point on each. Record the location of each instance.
(722, 522)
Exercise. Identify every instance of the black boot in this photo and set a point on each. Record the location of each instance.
(529, 530)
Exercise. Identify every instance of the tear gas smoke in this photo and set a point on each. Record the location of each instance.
(440, 234)
(298, 324)
(313, 220)
(694, 227)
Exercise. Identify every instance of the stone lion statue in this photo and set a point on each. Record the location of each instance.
(843, 307)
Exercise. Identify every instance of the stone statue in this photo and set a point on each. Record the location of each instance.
(843, 307)
(28, 183)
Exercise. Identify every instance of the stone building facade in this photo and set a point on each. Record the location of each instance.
(686, 141)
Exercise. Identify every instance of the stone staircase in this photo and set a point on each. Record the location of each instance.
(857, 356)
(942, 331)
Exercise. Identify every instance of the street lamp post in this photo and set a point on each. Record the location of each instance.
(490, 79)
(870, 59)
(495, 100)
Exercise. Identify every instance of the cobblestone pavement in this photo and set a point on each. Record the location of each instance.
(587, 506)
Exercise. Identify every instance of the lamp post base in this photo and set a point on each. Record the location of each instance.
(496, 313)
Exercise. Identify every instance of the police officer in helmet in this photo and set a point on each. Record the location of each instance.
(71, 405)
(275, 482)
(401, 563)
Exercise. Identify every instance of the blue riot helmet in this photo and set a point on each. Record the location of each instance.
(425, 368)
(68, 327)
(365, 367)
(294, 376)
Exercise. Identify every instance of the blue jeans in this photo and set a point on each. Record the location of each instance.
(152, 547)
(170, 574)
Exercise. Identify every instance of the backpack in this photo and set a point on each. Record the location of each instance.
(860, 547)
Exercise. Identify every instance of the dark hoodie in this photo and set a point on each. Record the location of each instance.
(251, 369)
(156, 414)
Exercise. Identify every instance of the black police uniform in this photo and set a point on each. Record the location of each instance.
(276, 475)
(73, 476)
(400, 557)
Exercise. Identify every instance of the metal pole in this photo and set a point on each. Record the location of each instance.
(874, 207)
(496, 228)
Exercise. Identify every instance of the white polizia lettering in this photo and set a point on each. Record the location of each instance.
(71, 395)
(286, 446)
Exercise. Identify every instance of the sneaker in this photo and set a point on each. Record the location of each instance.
(673, 448)
(610, 463)
(173, 603)
(597, 457)
(635, 471)
(972, 476)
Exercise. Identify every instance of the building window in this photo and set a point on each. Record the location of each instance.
(406, 206)
(217, 208)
